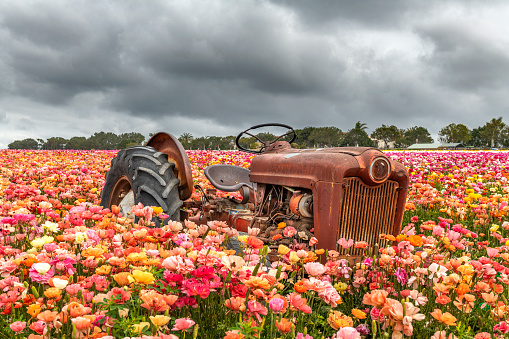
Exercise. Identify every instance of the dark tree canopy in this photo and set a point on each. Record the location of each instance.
(494, 133)
(24, 144)
(455, 133)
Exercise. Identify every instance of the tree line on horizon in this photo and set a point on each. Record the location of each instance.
(494, 133)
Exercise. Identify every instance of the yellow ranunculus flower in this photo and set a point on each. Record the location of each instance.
(142, 277)
(340, 287)
(157, 209)
(138, 328)
(282, 250)
(281, 225)
(159, 320)
(294, 257)
(242, 238)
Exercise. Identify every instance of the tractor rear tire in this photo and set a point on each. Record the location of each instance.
(150, 176)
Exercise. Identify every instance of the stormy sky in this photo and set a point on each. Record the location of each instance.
(216, 67)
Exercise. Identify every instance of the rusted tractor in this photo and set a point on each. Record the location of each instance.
(330, 193)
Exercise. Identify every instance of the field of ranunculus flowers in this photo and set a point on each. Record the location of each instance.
(70, 269)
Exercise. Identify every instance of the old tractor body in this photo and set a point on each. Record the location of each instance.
(331, 193)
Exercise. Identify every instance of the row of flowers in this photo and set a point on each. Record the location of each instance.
(71, 269)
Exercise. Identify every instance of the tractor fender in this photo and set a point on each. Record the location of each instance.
(166, 143)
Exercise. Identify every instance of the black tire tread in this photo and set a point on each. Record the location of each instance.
(152, 179)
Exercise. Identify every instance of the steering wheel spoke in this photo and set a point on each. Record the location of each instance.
(265, 144)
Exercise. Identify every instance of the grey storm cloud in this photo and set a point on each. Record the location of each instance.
(216, 67)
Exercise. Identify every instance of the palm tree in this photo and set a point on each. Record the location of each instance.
(360, 126)
(186, 137)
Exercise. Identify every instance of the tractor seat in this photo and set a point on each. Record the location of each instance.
(228, 178)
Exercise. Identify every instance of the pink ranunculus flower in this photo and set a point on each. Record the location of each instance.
(18, 326)
(345, 243)
(492, 252)
(276, 304)
(314, 268)
(348, 333)
(289, 231)
(182, 324)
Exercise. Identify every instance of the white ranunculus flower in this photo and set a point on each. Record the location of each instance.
(41, 267)
(37, 242)
(60, 283)
(51, 226)
(80, 238)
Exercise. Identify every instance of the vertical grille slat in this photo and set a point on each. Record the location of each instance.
(366, 212)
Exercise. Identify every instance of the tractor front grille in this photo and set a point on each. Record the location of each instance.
(366, 212)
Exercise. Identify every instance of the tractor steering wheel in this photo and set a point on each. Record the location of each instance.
(265, 144)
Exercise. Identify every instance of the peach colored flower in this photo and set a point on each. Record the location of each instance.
(375, 298)
(337, 320)
(446, 318)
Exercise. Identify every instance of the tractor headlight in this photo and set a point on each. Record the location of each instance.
(379, 169)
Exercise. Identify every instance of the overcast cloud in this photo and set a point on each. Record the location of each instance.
(216, 67)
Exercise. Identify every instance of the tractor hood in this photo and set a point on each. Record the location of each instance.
(282, 165)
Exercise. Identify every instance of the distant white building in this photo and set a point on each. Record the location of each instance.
(436, 145)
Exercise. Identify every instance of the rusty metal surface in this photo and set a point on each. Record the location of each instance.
(324, 172)
(120, 190)
(168, 144)
(366, 212)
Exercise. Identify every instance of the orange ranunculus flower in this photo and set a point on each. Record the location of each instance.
(446, 318)
(77, 310)
(465, 302)
(34, 310)
(462, 289)
(361, 244)
(375, 298)
(122, 278)
(310, 258)
(170, 299)
(284, 325)
(153, 301)
(234, 334)
(401, 237)
(497, 288)
(236, 303)
(390, 237)
(28, 300)
(47, 316)
(258, 282)
(92, 252)
(338, 320)
(443, 299)
(103, 270)
(81, 323)
(320, 251)
(116, 261)
(153, 262)
(299, 287)
(136, 257)
(358, 314)
(254, 242)
(415, 240)
(52, 292)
